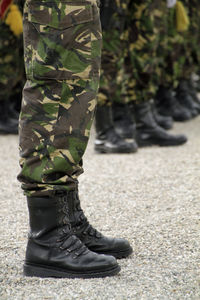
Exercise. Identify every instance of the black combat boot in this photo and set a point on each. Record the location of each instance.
(53, 250)
(107, 140)
(165, 122)
(123, 121)
(149, 132)
(193, 93)
(7, 124)
(12, 112)
(168, 105)
(185, 99)
(94, 240)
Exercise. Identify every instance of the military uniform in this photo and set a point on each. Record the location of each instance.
(112, 83)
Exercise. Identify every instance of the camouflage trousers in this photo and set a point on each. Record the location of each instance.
(62, 59)
(130, 59)
(147, 24)
(193, 37)
(181, 54)
(112, 82)
(172, 59)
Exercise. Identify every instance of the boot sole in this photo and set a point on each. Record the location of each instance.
(178, 118)
(118, 254)
(8, 132)
(45, 271)
(106, 150)
(156, 143)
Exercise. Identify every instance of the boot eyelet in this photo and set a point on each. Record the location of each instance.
(75, 255)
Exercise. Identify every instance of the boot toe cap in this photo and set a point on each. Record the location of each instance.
(181, 139)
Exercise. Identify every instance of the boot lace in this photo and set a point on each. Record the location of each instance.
(66, 240)
(82, 223)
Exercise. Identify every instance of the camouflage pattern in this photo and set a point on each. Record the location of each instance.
(11, 63)
(62, 57)
(181, 53)
(193, 35)
(174, 53)
(157, 53)
(131, 59)
(147, 22)
(113, 18)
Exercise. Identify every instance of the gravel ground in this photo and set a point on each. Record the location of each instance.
(150, 198)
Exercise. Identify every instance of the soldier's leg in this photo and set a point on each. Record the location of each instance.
(177, 68)
(183, 91)
(62, 51)
(186, 91)
(170, 65)
(62, 56)
(108, 139)
(113, 18)
(146, 20)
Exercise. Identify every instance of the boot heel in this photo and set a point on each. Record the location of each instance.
(33, 271)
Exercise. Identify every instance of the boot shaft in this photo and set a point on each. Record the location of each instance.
(48, 215)
(144, 116)
(103, 119)
(120, 111)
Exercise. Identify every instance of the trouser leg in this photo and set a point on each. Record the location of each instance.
(62, 59)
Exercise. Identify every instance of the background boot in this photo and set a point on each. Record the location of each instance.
(196, 81)
(16, 97)
(149, 132)
(12, 112)
(165, 122)
(107, 140)
(7, 124)
(168, 105)
(53, 250)
(94, 240)
(185, 99)
(123, 121)
(193, 93)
